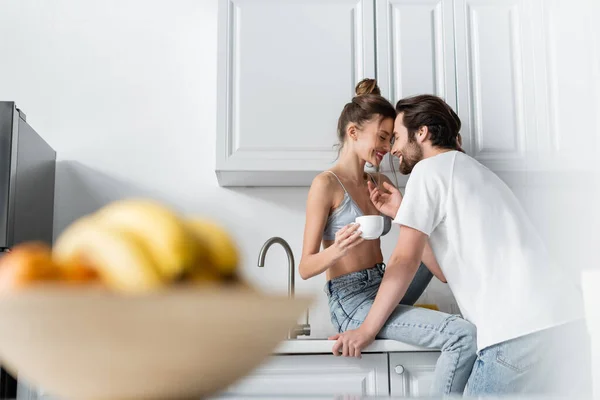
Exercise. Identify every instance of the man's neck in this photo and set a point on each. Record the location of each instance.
(432, 151)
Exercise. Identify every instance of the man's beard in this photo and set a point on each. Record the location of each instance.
(411, 155)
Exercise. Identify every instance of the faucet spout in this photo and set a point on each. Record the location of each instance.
(303, 329)
(290, 256)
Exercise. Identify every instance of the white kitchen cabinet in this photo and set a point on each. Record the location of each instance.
(411, 374)
(285, 70)
(415, 53)
(523, 75)
(527, 88)
(415, 48)
(317, 375)
(496, 68)
(570, 84)
(528, 83)
(406, 373)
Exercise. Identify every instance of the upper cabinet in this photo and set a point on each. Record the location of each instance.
(523, 75)
(286, 69)
(570, 83)
(415, 54)
(415, 48)
(496, 67)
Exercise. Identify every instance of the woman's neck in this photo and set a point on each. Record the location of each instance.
(351, 166)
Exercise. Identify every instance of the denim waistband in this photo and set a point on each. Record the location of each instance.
(369, 274)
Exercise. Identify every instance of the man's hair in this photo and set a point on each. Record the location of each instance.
(433, 112)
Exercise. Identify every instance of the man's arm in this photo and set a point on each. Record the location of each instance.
(431, 263)
(399, 273)
(390, 202)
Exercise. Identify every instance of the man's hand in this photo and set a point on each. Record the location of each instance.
(387, 203)
(350, 343)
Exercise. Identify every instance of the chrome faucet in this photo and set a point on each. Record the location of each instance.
(299, 329)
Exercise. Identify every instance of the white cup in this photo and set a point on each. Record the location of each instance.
(371, 226)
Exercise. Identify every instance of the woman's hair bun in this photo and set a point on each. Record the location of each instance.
(367, 86)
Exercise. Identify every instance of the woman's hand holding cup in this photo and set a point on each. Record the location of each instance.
(347, 238)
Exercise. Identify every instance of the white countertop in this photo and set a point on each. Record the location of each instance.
(324, 346)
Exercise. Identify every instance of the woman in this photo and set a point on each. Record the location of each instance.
(354, 267)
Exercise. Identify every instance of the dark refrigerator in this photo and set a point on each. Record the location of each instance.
(27, 170)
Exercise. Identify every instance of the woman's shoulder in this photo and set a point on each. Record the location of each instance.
(325, 180)
(324, 187)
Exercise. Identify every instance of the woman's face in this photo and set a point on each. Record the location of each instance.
(372, 140)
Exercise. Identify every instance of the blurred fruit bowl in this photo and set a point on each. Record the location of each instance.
(135, 301)
(177, 343)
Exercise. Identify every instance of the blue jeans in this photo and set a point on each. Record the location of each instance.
(351, 297)
(554, 362)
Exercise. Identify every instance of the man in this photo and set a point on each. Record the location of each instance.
(528, 312)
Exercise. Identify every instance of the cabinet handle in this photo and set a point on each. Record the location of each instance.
(399, 369)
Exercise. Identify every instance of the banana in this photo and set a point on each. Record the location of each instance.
(222, 253)
(160, 229)
(120, 259)
(203, 275)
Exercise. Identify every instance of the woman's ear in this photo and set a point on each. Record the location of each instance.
(352, 131)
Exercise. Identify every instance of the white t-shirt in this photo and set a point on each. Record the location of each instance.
(494, 261)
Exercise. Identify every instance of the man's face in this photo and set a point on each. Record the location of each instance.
(408, 150)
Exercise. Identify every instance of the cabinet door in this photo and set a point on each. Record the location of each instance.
(286, 69)
(411, 374)
(571, 84)
(415, 52)
(318, 375)
(525, 73)
(496, 67)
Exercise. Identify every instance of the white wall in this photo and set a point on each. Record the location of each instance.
(125, 91)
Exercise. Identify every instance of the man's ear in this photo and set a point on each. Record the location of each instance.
(422, 134)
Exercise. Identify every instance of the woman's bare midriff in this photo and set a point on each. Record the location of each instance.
(361, 257)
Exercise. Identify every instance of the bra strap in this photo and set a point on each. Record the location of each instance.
(338, 179)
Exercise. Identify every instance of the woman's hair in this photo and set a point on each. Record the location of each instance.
(366, 105)
(433, 112)
(367, 86)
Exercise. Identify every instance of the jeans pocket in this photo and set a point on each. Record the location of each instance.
(519, 355)
(347, 292)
